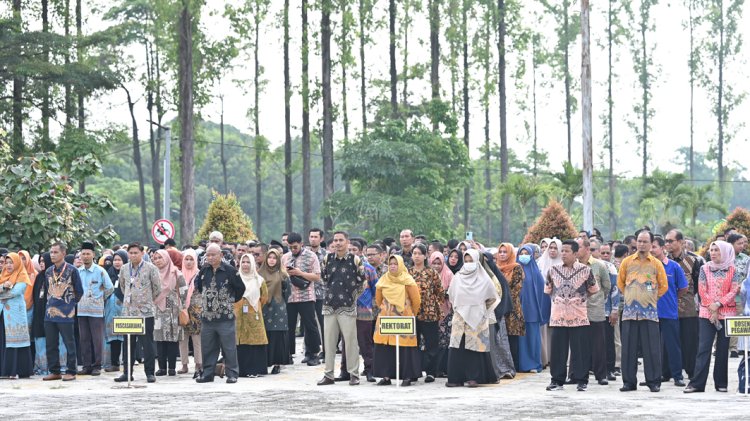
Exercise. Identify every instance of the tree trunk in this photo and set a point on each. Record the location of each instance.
(505, 207)
(81, 93)
(346, 50)
(566, 28)
(154, 142)
(644, 81)
(223, 156)
(325, 33)
(259, 144)
(185, 85)
(46, 144)
(691, 64)
(392, 56)
(486, 105)
(535, 149)
(610, 126)
(435, 55)
(18, 144)
(465, 40)
(405, 27)
(588, 157)
(68, 91)
(306, 180)
(138, 167)
(288, 186)
(363, 13)
(720, 103)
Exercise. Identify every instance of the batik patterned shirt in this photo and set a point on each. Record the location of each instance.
(642, 281)
(569, 288)
(307, 262)
(344, 279)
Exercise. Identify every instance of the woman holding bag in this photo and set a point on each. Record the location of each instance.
(167, 331)
(192, 306)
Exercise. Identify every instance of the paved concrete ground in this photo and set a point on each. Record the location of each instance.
(293, 394)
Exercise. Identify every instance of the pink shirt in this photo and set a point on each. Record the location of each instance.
(718, 286)
(569, 288)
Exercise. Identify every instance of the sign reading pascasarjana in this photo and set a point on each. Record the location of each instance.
(129, 326)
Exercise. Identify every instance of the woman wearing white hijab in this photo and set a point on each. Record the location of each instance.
(251, 331)
(474, 298)
(550, 257)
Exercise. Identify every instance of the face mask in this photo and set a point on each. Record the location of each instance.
(470, 266)
(524, 259)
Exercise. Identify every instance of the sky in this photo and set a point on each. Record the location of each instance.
(670, 127)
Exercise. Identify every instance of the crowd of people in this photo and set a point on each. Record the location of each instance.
(580, 307)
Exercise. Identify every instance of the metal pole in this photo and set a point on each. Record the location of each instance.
(398, 371)
(747, 360)
(129, 368)
(167, 174)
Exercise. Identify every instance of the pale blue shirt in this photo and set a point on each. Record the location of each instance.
(96, 287)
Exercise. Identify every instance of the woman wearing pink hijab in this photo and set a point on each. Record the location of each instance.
(437, 262)
(718, 283)
(167, 329)
(193, 303)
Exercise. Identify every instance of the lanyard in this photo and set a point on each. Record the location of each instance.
(137, 272)
(55, 277)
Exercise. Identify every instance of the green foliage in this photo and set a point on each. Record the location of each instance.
(40, 205)
(554, 222)
(226, 216)
(569, 184)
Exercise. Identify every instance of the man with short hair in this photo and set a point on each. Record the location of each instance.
(242, 249)
(97, 287)
(315, 238)
(303, 268)
(285, 240)
(344, 278)
(406, 238)
(643, 281)
(569, 285)
(631, 242)
(63, 287)
(140, 284)
(596, 357)
(259, 254)
(669, 324)
(605, 253)
(221, 287)
(687, 308)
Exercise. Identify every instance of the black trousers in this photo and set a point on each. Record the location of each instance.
(167, 352)
(513, 342)
(115, 348)
(573, 338)
(689, 344)
(598, 349)
(91, 332)
(609, 333)
(312, 338)
(707, 334)
(430, 331)
(52, 333)
(149, 349)
(647, 332)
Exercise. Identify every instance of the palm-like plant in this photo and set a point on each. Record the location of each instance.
(525, 190)
(667, 191)
(569, 184)
(701, 199)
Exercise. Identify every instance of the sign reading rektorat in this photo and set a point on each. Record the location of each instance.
(129, 326)
(738, 326)
(397, 325)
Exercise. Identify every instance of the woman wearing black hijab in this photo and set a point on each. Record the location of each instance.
(455, 260)
(112, 309)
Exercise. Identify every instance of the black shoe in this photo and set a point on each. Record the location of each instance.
(96, 372)
(582, 387)
(554, 387)
(161, 372)
(692, 389)
(734, 354)
(322, 355)
(642, 384)
(171, 373)
(123, 378)
(429, 379)
(276, 369)
(679, 383)
(202, 379)
(326, 381)
(84, 372)
(306, 359)
(406, 382)
(617, 372)
(231, 380)
(721, 389)
(455, 385)
(569, 381)
(370, 378)
(603, 382)
(197, 375)
(343, 377)
(627, 388)
(611, 377)
(665, 379)
(312, 362)
(150, 378)
(654, 388)
(384, 382)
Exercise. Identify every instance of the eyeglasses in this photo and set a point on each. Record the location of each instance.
(593, 249)
(669, 241)
(256, 254)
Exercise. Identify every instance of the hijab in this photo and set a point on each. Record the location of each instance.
(35, 261)
(176, 257)
(510, 264)
(114, 274)
(470, 290)
(445, 278)
(252, 282)
(545, 262)
(189, 274)
(274, 276)
(394, 286)
(30, 270)
(106, 262)
(458, 264)
(506, 301)
(31, 273)
(532, 291)
(19, 271)
(727, 256)
(168, 276)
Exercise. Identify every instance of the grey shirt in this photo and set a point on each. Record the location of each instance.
(140, 286)
(596, 303)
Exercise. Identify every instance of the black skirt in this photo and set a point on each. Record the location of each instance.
(252, 359)
(278, 348)
(384, 362)
(465, 365)
(14, 361)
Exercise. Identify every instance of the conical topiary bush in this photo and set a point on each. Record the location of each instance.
(226, 216)
(553, 222)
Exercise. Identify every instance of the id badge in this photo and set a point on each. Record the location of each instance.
(649, 286)
(157, 324)
(245, 309)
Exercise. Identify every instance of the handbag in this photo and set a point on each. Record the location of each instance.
(183, 318)
(299, 282)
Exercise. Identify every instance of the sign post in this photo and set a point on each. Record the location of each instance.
(129, 326)
(162, 230)
(740, 326)
(397, 325)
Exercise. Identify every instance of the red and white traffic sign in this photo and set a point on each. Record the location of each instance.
(162, 230)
